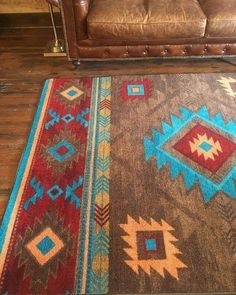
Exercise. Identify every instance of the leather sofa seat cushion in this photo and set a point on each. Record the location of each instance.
(145, 19)
(221, 16)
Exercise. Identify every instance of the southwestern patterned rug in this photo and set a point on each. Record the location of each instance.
(127, 185)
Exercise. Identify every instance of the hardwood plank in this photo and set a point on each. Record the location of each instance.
(11, 154)
(12, 140)
(18, 115)
(11, 6)
(3, 204)
(26, 38)
(12, 19)
(7, 176)
(13, 86)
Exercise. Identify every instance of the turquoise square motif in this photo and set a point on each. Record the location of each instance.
(151, 244)
(135, 89)
(72, 92)
(46, 245)
(205, 146)
(68, 118)
(54, 192)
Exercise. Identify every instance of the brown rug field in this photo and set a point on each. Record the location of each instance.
(190, 222)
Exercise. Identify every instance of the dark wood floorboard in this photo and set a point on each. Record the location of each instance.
(23, 70)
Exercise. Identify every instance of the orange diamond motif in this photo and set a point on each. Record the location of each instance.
(72, 93)
(45, 246)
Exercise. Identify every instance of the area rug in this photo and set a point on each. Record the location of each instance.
(127, 185)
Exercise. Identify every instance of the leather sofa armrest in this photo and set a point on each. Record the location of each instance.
(76, 11)
(81, 13)
(74, 16)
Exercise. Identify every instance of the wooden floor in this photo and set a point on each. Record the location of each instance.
(23, 70)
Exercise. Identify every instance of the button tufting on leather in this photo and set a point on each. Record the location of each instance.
(164, 52)
(145, 52)
(184, 51)
(107, 52)
(157, 50)
(204, 51)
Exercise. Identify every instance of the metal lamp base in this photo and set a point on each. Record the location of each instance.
(55, 48)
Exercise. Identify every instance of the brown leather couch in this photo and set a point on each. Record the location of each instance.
(105, 29)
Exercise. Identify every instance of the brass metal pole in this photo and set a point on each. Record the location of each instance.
(55, 47)
(53, 23)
